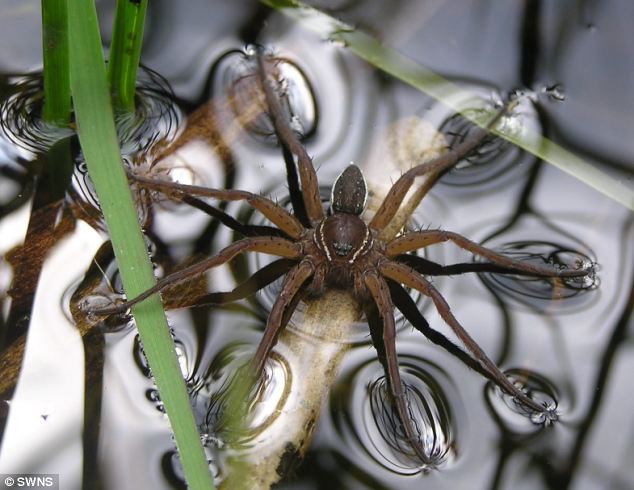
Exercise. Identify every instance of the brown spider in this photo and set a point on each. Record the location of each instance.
(340, 250)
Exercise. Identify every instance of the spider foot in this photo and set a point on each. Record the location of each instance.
(549, 416)
(581, 268)
(434, 457)
(582, 274)
(539, 412)
(425, 451)
(417, 429)
(533, 397)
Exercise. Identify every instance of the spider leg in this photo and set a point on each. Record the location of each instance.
(375, 324)
(307, 174)
(429, 268)
(420, 239)
(280, 313)
(229, 221)
(408, 307)
(269, 245)
(254, 283)
(410, 278)
(381, 295)
(276, 214)
(294, 189)
(435, 167)
(292, 305)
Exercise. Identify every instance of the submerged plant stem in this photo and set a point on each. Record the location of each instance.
(314, 350)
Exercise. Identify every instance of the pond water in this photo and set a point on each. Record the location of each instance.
(569, 345)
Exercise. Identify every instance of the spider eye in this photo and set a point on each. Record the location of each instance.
(349, 191)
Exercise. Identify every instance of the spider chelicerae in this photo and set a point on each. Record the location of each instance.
(337, 249)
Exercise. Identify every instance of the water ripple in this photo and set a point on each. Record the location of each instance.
(364, 417)
(496, 160)
(538, 292)
(21, 117)
(234, 77)
(516, 418)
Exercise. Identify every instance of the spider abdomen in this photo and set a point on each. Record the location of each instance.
(343, 238)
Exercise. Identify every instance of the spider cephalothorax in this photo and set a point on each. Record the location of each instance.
(340, 250)
(342, 240)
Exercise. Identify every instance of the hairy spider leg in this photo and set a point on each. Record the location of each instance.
(435, 167)
(428, 268)
(229, 221)
(406, 305)
(260, 279)
(268, 245)
(284, 220)
(381, 295)
(294, 189)
(376, 334)
(307, 174)
(279, 314)
(410, 278)
(420, 239)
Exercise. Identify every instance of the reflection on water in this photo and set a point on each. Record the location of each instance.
(366, 422)
(234, 76)
(488, 166)
(534, 290)
(518, 420)
(21, 122)
(562, 343)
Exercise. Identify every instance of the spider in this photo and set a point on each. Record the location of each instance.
(337, 249)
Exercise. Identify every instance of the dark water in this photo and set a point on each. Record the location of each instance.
(571, 346)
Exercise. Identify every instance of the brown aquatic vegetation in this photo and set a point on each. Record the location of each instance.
(339, 250)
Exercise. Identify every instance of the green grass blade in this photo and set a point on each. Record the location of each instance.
(56, 108)
(125, 52)
(425, 80)
(55, 53)
(99, 143)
